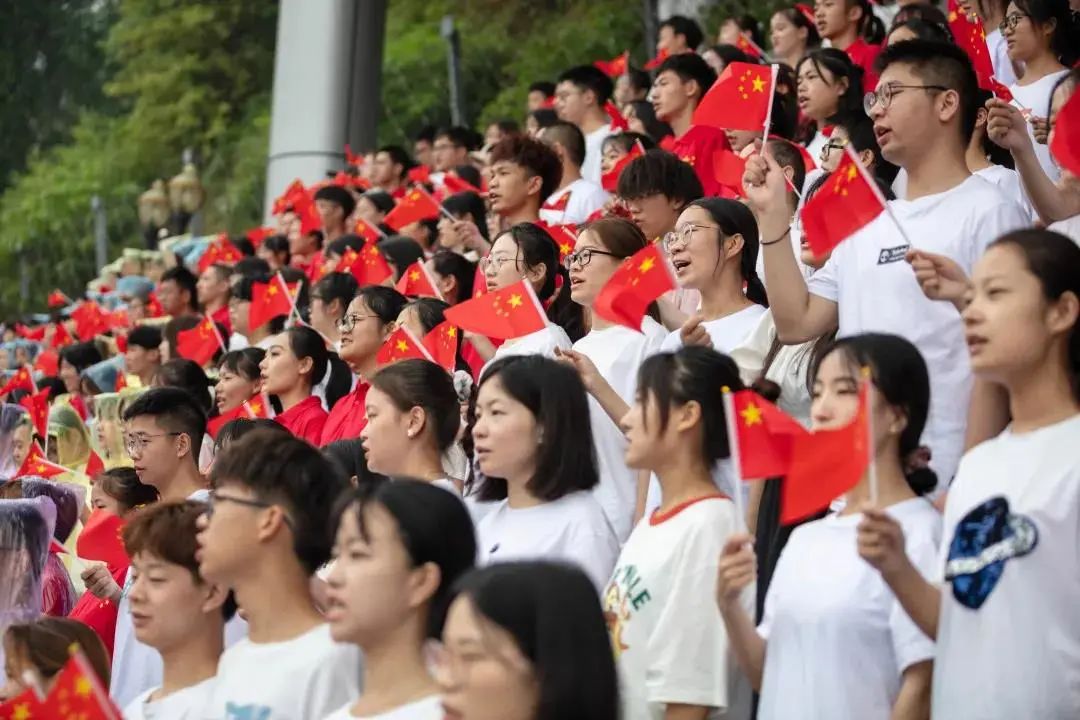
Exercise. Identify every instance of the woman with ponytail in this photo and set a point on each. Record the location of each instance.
(851, 26)
(1011, 558)
(293, 365)
(834, 638)
(714, 249)
(792, 32)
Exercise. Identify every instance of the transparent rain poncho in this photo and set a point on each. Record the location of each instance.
(26, 530)
(9, 418)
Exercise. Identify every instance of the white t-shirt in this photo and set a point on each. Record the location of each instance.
(876, 291)
(617, 352)
(1009, 645)
(670, 642)
(1008, 181)
(187, 704)
(306, 677)
(594, 145)
(572, 528)
(1069, 227)
(816, 145)
(837, 639)
(585, 198)
(999, 57)
(727, 333)
(429, 708)
(542, 342)
(1036, 98)
(788, 369)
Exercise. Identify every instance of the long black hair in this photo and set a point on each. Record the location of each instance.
(538, 248)
(305, 342)
(1065, 41)
(840, 67)
(423, 384)
(734, 218)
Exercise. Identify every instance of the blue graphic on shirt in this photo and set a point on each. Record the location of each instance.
(246, 712)
(985, 539)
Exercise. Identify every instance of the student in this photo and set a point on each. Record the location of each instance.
(632, 86)
(829, 87)
(275, 251)
(670, 646)
(549, 656)
(678, 35)
(143, 356)
(264, 535)
(834, 640)
(533, 445)
(991, 13)
(373, 206)
(576, 198)
(540, 94)
(524, 172)
(614, 354)
(330, 297)
(681, 82)
(334, 252)
(641, 119)
(368, 322)
(714, 251)
(423, 142)
(454, 275)
(412, 542)
(43, 647)
(240, 311)
(177, 612)
(294, 363)
(389, 170)
(924, 130)
(992, 162)
(857, 130)
(212, 291)
(580, 96)
(451, 148)
(846, 24)
(464, 229)
(526, 251)
(334, 204)
(400, 253)
(792, 33)
(656, 188)
(186, 375)
(239, 378)
(177, 292)
(1011, 515)
(57, 592)
(413, 418)
(73, 360)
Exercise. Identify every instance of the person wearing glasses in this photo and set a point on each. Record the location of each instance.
(330, 297)
(924, 112)
(264, 534)
(400, 548)
(369, 319)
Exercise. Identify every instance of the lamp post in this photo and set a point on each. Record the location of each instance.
(153, 212)
(186, 195)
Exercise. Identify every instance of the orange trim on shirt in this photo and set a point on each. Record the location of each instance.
(658, 517)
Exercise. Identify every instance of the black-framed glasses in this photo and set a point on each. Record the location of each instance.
(885, 93)
(682, 235)
(217, 497)
(497, 262)
(1011, 21)
(349, 321)
(583, 257)
(137, 443)
(833, 144)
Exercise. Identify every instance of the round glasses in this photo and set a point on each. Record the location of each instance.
(583, 257)
(682, 235)
(885, 94)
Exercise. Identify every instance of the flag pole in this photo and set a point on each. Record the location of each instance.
(444, 211)
(213, 325)
(733, 449)
(774, 69)
(871, 468)
(288, 295)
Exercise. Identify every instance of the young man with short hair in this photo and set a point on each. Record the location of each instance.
(423, 146)
(143, 355)
(524, 172)
(264, 535)
(212, 289)
(580, 97)
(177, 292)
(576, 198)
(175, 611)
(540, 94)
(841, 22)
(389, 170)
(632, 85)
(924, 114)
(334, 204)
(451, 148)
(678, 35)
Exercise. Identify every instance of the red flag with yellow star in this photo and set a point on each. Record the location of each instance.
(61, 336)
(35, 464)
(48, 362)
(401, 345)
(220, 250)
(417, 205)
(442, 345)
(658, 60)
(258, 406)
(508, 313)
(847, 201)
(615, 67)
(200, 343)
(738, 100)
(94, 464)
(638, 282)
(763, 435)
(22, 379)
(268, 300)
(565, 236)
(367, 231)
(37, 404)
(416, 281)
(101, 540)
(368, 266)
(57, 298)
(969, 35)
(77, 692)
(453, 183)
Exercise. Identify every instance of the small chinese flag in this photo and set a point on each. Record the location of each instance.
(35, 464)
(304, 207)
(848, 201)
(153, 306)
(1001, 92)
(638, 282)
(368, 266)
(94, 465)
(214, 424)
(738, 100)
(749, 47)
(764, 436)
(220, 250)
(367, 231)
(21, 379)
(200, 343)
(416, 281)
(417, 205)
(610, 179)
(77, 692)
(401, 345)
(37, 404)
(615, 67)
(728, 169)
(58, 299)
(351, 158)
(117, 319)
(565, 236)
(37, 333)
(826, 464)
(268, 300)
(454, 184)
(508, 313)
(24, 706)
(619, 123)
(289, 198)
(90, 320)
(658, 60)
(100, 540)
(1065, 146)
(442, 345)
(257, 235)
(47, 362)
(61, 336)
(558, 205)
(420, 174)
(969, 35)
(258, 406)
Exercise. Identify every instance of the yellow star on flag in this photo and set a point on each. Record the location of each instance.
(751, 415)
(759, 85)
(82, 687)
(646, 265)
(452, 332)
(22, 712)
(515, 300)
(272, 290)
(402, 345)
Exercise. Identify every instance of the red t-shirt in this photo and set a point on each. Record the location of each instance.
(348, 416)
(696, 147)
(100, 615)
(864, 54)
(305, 420)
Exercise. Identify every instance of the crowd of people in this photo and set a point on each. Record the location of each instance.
(221, 482)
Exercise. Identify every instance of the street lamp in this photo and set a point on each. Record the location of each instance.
(153, 212)
(186, 197)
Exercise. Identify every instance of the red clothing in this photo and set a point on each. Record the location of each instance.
(305, 420)
(864, 54)
(696, 147)
(348, 416)
(221, 317)
(100, 615)
(57, 592)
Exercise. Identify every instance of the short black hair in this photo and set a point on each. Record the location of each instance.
(461, 137)
(689, 66)
(188, 376)
(383, 201)
(425, 134)
(544, 117)
(237, 428)
(343, 243)
(638, 79)
(398, 156)
(659, 172)
(288, 471)
(339, 195)
(185, 280)
(534, 156)
(570, 137)
(543, 86)
(147, 337)
(588, 77)
(689, 29)
(456, 265)
(81, 355)
(386, 302)
(939, 63)
(173, 409)
(336, 286)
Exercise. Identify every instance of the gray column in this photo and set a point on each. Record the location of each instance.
(327, 70)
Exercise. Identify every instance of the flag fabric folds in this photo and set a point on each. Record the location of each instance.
(508, 313)
(636, 283)
(847, 202)
(738, 100)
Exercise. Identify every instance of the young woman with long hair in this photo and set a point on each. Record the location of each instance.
(293, 365)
